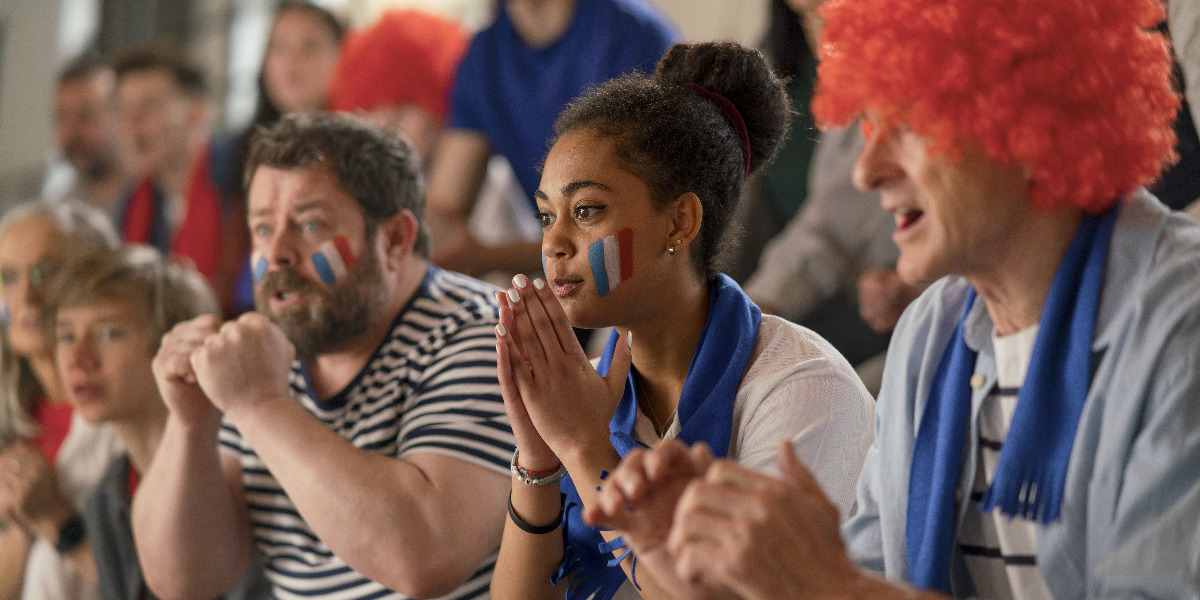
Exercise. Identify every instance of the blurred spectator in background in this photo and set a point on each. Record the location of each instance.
(514, 80)
(831, 268)
(186, 202)
(779, 193)
(87, 137)
(302, 51)
(397, 74)
(1183, 22)
(1179, 184)
(810, 273)
(50, 459)
(303, 47)
(1194, 209)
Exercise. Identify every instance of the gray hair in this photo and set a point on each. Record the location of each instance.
(83, 228)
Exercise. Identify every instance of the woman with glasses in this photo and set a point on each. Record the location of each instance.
(49, 458)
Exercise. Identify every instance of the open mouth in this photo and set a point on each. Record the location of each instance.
(284, 298)
(905, 217)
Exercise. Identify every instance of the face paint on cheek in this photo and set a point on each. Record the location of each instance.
(258, 265)
(611, 258)
(333, 260)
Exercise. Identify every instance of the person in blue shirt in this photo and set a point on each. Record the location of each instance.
(515, 79)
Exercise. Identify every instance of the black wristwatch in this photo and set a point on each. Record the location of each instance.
(71, 534)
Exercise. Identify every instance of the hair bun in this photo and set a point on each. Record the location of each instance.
(741, 75)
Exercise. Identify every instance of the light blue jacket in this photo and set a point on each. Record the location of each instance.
(1130, 524)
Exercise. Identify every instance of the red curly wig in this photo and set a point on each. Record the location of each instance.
(406, 57)
(1077, 91)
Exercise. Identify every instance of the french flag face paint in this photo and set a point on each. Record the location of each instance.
(333, 260)
(612, 260)
(258, 265)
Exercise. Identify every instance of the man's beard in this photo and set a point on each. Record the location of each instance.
(327, 318)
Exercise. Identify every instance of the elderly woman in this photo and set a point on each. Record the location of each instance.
(1037, 433)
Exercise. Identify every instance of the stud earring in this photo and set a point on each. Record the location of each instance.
(671, 250)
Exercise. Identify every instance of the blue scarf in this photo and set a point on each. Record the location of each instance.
(1032, 469)
(705, 414)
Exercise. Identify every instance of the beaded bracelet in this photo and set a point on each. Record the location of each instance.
(534, 529)
(534, 477)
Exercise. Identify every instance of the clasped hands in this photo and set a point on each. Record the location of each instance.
(205, 367)
(724, 529)
(557, 403)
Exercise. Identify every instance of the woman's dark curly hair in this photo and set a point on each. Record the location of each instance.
(678, 141)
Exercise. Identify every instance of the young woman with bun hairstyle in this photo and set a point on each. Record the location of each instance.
(635, 202)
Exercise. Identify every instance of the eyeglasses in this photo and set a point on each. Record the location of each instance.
(38, 275)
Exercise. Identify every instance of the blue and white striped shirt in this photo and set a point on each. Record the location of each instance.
(430, 387)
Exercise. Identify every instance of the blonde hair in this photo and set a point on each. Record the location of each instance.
(138, 274)
(81, 228)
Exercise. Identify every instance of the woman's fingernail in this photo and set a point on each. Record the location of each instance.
(513, 296)
(500, 330)
(538, 283)
(521, 281)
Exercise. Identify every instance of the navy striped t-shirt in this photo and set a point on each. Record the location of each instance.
(430, 387)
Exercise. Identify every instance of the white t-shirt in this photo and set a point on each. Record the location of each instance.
(798, 387)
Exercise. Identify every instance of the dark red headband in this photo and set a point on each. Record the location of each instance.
(731, 113)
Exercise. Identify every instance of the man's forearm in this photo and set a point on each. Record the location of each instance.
(419, 525)
(191, 530)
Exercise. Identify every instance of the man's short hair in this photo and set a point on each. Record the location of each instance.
(378, 169)
(83, 66)
(167, 57)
